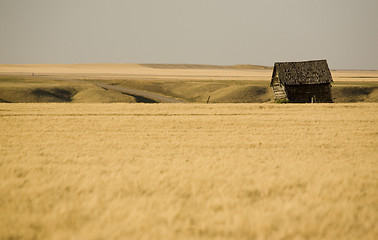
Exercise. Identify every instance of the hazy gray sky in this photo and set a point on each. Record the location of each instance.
(345, 32)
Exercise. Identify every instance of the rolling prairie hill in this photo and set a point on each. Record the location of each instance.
(186, 82)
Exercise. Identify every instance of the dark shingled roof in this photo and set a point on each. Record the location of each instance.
(302, 73)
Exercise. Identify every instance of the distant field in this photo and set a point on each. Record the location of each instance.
(188, 171)
(186, 82)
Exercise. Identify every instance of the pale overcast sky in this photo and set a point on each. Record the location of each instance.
(224, 32)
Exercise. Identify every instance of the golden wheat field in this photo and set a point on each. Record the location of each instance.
(188, 171)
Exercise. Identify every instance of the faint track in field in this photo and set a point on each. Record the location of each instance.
(139, 94)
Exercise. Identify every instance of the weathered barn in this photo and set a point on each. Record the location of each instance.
(302, 82)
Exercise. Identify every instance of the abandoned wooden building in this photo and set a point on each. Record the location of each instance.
(302, 82)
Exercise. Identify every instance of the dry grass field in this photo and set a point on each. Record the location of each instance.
(186, 82)
(188, 171)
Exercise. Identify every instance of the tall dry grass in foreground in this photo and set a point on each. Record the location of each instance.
(187, 171)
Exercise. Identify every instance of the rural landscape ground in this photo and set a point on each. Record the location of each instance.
(79, 160)
(184, 82)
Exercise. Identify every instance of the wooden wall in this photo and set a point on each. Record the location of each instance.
(320, 93)
(278, 88)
